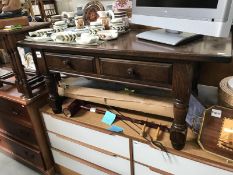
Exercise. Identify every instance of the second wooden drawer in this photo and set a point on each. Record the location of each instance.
(136, 71)
(14, 110)
(30, 155)
(18, 131)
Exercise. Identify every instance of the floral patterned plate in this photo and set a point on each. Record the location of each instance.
(90, 11)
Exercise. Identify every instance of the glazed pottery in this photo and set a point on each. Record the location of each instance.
(108, 34)
(41, 32)
(79, 22)
(87, 39)
(65, 36)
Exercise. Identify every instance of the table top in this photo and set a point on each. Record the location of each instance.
(206, 49)
(32, 26)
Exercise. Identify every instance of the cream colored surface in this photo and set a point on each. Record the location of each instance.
(152, 105)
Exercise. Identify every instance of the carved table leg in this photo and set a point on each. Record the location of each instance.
(55, 100)
(182, 86)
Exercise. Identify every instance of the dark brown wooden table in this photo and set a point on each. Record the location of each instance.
(135, 62)
(8, 40)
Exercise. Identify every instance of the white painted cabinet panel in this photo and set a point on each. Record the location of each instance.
(112, 143)
(113, 163)
(177, 165)
(74, 165)
(143, 170)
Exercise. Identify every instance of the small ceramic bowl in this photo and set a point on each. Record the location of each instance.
(93, 30)
(108, 34)
(87, 38)
(41, 32)
(120, 27)
(65, 36)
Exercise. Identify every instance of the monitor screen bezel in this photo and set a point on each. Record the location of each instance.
(220, 14)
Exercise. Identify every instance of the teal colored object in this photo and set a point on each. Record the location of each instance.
(115, 128)
(109, 118)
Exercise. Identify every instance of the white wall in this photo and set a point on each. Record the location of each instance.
(70, 5)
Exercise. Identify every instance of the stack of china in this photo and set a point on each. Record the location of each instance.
(41, 33)
(120, 22)
(56, 18)
(69, 18)
(60, 26)
(65, 36)
(87, 38)
(95, 27)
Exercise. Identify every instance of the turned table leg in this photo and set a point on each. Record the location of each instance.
(182, 87)
(55, 100)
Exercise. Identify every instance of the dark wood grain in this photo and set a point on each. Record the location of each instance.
(21, 125)
(8, 41)
(17, 131)
(25, 152)
(70, 63)
(14, 110)
(142, 72)
(130, 61)
(207, 49)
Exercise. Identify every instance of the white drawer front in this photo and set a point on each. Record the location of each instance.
(177, 165)
(115, 144)
(143, 170)
(113, 163)
(74, 165)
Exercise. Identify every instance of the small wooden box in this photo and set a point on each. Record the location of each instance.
(14, 21)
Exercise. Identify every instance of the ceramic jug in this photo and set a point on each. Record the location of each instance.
(104, 18)
(121, 16)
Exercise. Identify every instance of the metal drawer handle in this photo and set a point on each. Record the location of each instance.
(131, 72)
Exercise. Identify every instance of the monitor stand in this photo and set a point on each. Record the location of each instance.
(169, 37)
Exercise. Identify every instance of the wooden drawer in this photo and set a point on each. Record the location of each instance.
(77, 165)
(18, 131)
(70, 63)
(144, 170)
(112, 143)
(136, 71)
(171, 163)
(14, 110)
(30, 155)
(108, 161)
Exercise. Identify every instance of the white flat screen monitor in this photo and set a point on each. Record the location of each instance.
(204, 17)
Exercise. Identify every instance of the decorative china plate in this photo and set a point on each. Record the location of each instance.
(90, 11)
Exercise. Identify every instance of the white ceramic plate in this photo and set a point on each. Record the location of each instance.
(108, 34)
(38, 39)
